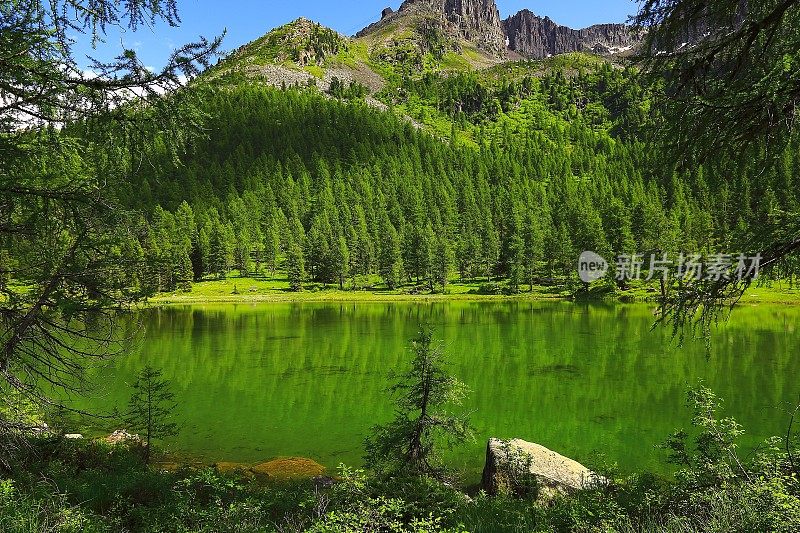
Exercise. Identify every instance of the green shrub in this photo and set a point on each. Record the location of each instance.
(490, 289)
(21, 513)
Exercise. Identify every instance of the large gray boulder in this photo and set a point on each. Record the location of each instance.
(525, 468)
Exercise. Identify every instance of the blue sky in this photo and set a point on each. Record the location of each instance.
(246, 20)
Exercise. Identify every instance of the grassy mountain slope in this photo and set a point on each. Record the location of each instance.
(301, 53)
(405, 63)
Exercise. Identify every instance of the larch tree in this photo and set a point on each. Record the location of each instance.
(67, 135)
(423, 422)
(731, 74)
(150, 408)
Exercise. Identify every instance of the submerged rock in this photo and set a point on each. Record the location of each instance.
(284, 468)
(170, 467)
(225, 467)
(520, 467)
(240, 470)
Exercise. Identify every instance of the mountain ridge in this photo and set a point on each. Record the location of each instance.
(422, 36)
(538, 37)
(524, 33)
(475, 21)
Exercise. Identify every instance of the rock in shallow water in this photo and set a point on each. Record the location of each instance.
(288, 468)
(512, 465)
(121, 436)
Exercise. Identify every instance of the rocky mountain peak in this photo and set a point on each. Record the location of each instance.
(476, 21)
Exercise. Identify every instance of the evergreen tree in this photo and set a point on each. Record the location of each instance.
(390, 261)
(443, 261)
(150, 408)
(342, 261)
(410, 443)
(534, 245)
(272, 245)
(295, 258)
(490, 248)
(220, 249)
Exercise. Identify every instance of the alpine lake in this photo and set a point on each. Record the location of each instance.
(595, 382)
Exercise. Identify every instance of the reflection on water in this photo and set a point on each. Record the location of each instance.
(257, 381)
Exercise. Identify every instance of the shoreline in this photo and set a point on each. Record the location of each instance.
(345, 297)
(755, 296)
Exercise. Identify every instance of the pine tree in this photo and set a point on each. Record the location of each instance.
(243, 239)
(150, 408)
(184, 273)
(561, 252)
(443, 261)
(342, 261)
(410, 443)
(534, 244)
(490, 248)
(272, 243)
(220, 247)
(516, 260)
(295, 259)
(390, 261)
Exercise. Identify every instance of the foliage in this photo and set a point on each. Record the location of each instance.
(67, 136)
(351, 91)
(20, 513)
(545, 160)
(300, 41)
(731, 91)
(358, 511)
(102, 488)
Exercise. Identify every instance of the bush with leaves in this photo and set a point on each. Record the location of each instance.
(716, 490)
(358, 510)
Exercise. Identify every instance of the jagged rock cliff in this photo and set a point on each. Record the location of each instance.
(476, 21)
(536, 37)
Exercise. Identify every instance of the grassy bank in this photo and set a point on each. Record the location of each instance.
(261, 290)
(244, 290)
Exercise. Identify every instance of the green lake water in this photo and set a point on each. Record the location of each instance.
(589, 381)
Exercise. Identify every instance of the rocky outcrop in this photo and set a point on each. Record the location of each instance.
(517, 466)
(386, 12)
(475, 21)
(535, 37)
